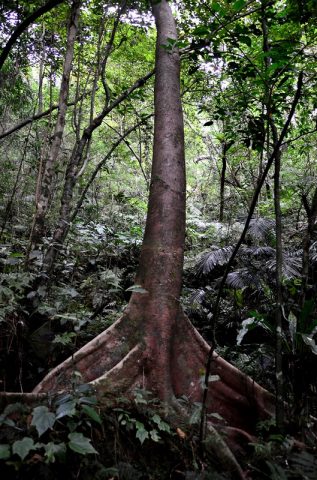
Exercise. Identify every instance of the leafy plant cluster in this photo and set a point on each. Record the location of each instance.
(72, 435)
(247, 318)
(47, 435)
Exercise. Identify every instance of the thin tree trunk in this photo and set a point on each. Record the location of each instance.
(311, 211)
(279, 293)
(222, 181)
(225, 148)
(72, 171)
(41, 73)
(278, 230)
(38, 230)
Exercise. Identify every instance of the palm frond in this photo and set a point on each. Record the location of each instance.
(290, 268)
(243, 278)
(260, 228)
(210, 260)
(257, 251)
(197, 296)
(305, 464)
(313, 252)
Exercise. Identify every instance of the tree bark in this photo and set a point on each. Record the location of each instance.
(279, 292)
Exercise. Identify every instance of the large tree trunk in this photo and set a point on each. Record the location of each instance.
(153, 345)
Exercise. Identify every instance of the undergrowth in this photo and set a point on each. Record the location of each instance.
(71, 436)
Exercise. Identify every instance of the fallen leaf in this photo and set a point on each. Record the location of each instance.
(180, 433)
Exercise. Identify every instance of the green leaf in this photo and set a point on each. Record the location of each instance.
(141, 432)
(42, 419)
(201, 30)
(195, 416)
(238, 5)
(310, 342)
(246, 40)
(91, 412)
(67, 409)
(155, 436)
(6, 421)
(216, 415)
(63, 398)
(276, 471)
(54, 449)
(65, 338)
(136, 288)
(23, 447)
(4, 451)
(80, 444)
(88, 400)
(86, 388)
(216, 7)
(163, 426)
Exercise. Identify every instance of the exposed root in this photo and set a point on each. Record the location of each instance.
(170, 364)
(95, 358)
(29, 398)
(231, 376)
(123, 377)
(216, 444)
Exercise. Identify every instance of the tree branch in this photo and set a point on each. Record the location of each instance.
(24, 25)
(32, 119)
(102, 162)
(108, 50)
(291, 140)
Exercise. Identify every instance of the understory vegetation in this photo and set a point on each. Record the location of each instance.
(74, 192)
